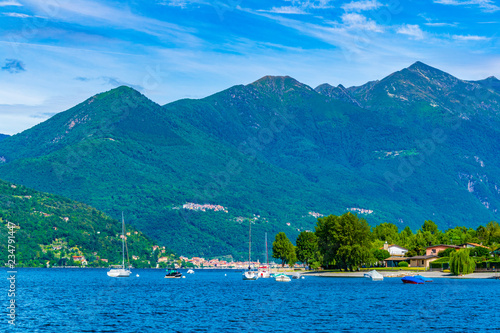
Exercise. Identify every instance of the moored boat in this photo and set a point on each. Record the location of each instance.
(190, 271)
(172, 274)
(374, 276)
(121, 271)
(412, 280)
(250, 275)
(264, 272)
(282, 278)
(423, 278)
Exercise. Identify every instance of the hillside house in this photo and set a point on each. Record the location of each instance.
(395, 250)
(422, 261)
(473, 245)
(435, 249)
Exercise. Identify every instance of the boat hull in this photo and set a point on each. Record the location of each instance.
(119, 272)
(249, 275)
(282, 278)
(412, 280)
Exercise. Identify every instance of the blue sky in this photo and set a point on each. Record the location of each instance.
(57, 53)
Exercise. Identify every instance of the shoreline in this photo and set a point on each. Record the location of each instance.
(389, 274)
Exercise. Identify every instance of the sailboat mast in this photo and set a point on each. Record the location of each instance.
(123, 242)
(267, 253)
(249, 242)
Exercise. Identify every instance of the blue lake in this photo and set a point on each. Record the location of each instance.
(87, 300)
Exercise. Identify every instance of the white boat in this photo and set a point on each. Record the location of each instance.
(296, 276)
(250, 274)
(190, 271)
(264, 272)
(121, 272)
(282, 278)
(374, 276)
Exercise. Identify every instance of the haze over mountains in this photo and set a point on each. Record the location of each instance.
(419, 144)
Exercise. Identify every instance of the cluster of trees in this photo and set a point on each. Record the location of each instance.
(347, 242)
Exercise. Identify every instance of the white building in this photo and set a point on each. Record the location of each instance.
(395, 250)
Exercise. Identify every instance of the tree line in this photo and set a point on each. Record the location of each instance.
(347, 242)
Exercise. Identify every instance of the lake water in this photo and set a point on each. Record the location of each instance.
(87, 300)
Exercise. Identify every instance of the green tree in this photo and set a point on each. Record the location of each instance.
(283, 249)
(386, 232)
(344, 240)
(479, 252)
(461, 262)
(381, 254)
(446, 253)
(431, 227)
(307, 247)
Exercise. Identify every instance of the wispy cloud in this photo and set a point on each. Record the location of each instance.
(113, 81)
(13, 66)
(440, 24)
(469, 38)
(485, 5)
(357, 21)
(412, 30)
(10, 3)
(94, 13)
(357, 6)
(19, 15)
(179, 3)
(286, 10)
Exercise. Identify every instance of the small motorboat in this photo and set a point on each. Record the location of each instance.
(412, 280)
(296, 276)
(190, 271)
(425, 279)
(282, 278)
(374, 276)
(173, 274)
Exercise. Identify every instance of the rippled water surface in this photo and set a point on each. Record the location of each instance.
(87, 300)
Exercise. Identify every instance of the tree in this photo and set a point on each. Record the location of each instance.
(344, 240)
(446, 253)
(431, 227)
(479, 252)
(307, 247)
(283, 249)
(386, 232)
(381, 254)
(461, 262)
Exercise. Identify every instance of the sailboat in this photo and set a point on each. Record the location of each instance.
(121, 272)
(264, 270)
(250, 275)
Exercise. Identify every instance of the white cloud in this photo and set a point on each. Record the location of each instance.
(286, 10)
(17, 15)
(440, 24)
(412, 30)
(486, 5)
(469, 38)
(357, 21)
(358, 6)
(97, 14)
(179, 3)
(10, 3)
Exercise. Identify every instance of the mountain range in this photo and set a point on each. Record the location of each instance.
(418, 145)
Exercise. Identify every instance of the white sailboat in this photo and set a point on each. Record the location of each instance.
(121, 272)
(250, 275)
(264, 270)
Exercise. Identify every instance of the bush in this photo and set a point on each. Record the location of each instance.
(403, 264)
